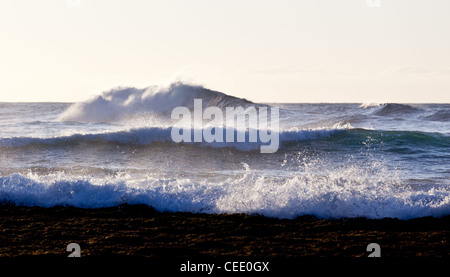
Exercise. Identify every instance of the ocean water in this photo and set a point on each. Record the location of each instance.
(333, 160)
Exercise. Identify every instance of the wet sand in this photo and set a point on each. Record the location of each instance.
(141, 233)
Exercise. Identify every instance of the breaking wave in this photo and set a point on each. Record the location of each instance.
(347, 192)
(126, 103)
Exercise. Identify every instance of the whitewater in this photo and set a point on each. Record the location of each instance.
(371, 160)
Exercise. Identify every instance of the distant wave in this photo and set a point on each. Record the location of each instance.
(396, 109)
(370, 105)
(442, 116)
(124, 103)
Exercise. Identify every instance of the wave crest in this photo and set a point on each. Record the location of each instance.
(125, 103)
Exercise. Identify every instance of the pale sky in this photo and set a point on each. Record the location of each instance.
(262, 50)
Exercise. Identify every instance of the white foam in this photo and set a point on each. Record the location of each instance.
(129, 104)
(370, 105)
(343, 192)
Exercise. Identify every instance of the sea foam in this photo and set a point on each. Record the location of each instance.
(344, 192)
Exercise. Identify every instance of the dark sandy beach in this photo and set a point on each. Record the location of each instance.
(143, 233)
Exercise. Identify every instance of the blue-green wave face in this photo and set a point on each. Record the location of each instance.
(413, 141)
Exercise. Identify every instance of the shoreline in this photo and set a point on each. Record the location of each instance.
(141, 239)
(141, 231)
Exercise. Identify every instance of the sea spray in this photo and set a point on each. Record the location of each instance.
(189, 126)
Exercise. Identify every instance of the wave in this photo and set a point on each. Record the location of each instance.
(370, 105)
(339, 134)
(442, 116)
(396, 109)
(347, 192)
(139, 136)
(129, 102)
(149, 135)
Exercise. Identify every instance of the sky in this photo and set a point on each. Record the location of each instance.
(364, 51)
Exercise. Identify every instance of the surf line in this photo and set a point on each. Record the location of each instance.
(191, 127)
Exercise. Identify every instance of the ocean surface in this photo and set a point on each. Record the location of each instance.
(333, 160)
